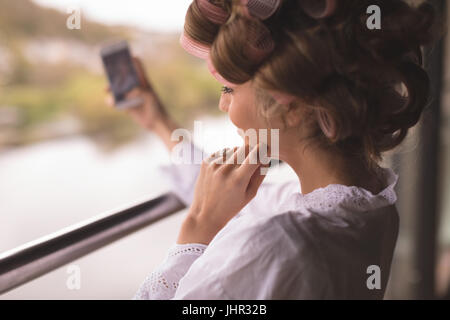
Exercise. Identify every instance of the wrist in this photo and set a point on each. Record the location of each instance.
(160, 125)
(191, 232)
(163, 128)
(196, 229)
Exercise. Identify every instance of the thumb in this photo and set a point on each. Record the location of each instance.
(139, 67)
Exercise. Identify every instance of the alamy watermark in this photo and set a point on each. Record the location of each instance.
(374, 280)
(73, 281)
(73, 22)
(374, 21)
(268, 152)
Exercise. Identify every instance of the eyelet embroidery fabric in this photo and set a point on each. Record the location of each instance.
(355, 198)
(162, 283)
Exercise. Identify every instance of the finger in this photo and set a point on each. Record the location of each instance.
(215, 155)
(251, 157)
(250, 165)
(143, 80)
(231, 156)
(247, 146)
(255, 182)
(249, 143)
(134, 93)
(226, 157)
(240, 154)
(229, 160)
(109, 100)
(264, 152)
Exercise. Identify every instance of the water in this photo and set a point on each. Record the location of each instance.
(51, 185)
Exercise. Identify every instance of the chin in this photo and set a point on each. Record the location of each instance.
(239, 132)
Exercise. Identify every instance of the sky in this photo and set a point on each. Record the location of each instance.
(152, 15)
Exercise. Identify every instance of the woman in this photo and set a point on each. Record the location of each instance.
(340, 94)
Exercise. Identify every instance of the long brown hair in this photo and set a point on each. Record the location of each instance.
(371, 82)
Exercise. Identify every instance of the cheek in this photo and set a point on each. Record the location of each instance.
(242, 115)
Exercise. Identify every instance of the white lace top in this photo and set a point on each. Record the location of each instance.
(285, 245)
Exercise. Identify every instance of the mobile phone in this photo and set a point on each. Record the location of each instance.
(121, 73)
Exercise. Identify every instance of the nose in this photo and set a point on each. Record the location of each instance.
(224, 103)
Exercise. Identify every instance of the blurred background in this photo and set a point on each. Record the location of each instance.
(66, 156)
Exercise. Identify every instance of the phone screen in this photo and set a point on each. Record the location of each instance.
(120, 70)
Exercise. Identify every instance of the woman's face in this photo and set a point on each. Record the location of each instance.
(240, 103)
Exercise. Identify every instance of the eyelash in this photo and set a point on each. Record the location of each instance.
(227, 90)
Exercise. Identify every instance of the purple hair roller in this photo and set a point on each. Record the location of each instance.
(260, 9)
(259, 42)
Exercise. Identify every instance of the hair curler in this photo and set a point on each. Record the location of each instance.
(213, 13)
(259, 42)
(260, 9)
(193, 47)
(319, 9)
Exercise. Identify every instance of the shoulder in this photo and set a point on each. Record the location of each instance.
(286, 234)
(289, 234)
(273, 259)
(268, 259)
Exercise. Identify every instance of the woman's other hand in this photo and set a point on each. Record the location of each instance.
(151, 111)
(151, 114)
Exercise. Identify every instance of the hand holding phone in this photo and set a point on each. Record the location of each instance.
(122, 74)
(140, 102)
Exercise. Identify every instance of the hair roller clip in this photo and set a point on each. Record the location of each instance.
(194, 47)
(319, 9)
(213, 13)
(260, 9)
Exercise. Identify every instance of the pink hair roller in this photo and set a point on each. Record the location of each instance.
(260, 9)
(216, 74)
(213, 13)
(319, 9)
(193, 47)
(201, 51)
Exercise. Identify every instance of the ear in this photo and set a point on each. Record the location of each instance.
(327, 124)
(293, 116)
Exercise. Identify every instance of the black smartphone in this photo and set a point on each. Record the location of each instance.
(121, 73)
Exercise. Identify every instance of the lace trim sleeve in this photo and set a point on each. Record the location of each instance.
(162, 283)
